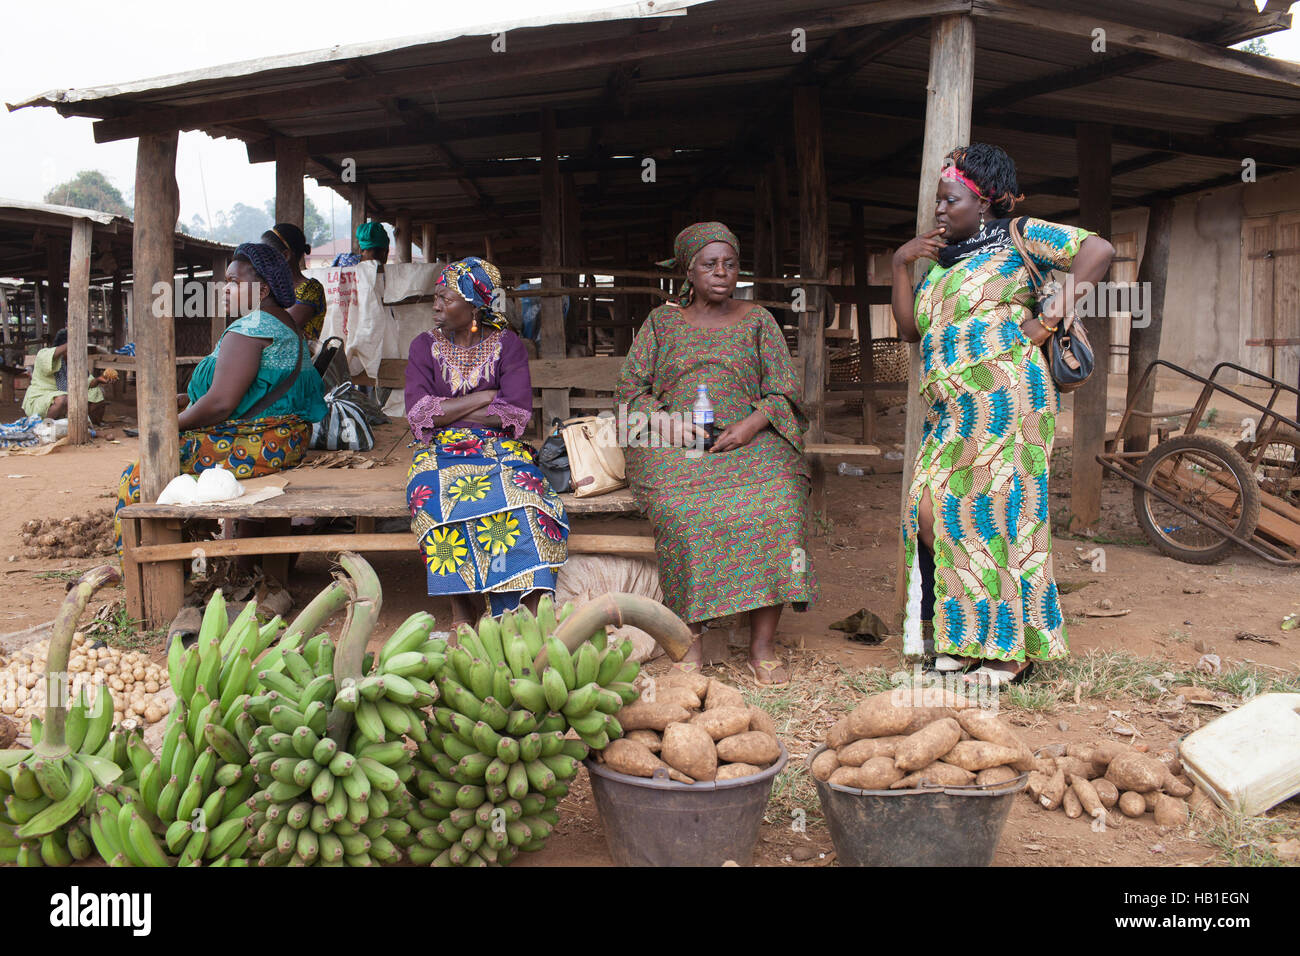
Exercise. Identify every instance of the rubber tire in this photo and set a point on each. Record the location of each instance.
(1245, 526)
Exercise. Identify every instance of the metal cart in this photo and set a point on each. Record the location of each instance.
(1196, 497)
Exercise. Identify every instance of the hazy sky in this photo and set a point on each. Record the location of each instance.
(76, 43)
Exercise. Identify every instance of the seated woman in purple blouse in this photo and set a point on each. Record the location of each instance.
(486, 518)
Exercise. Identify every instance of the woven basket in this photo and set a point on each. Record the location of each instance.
(889, 358)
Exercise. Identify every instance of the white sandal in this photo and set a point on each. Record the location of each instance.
(948, 665)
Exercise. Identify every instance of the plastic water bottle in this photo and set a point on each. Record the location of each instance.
(702, 412)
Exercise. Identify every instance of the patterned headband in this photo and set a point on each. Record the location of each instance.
(956, 175)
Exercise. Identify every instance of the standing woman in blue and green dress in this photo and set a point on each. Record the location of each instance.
(977, 532)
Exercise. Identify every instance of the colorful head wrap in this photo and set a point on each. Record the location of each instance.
(688, 244)
(371, 235)
(475, 280)
(271, 268)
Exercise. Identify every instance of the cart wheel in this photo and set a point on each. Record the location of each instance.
(1277, 466)
(1206, 476)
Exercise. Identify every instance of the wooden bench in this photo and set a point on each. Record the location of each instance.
(126, 364)
(315, 497)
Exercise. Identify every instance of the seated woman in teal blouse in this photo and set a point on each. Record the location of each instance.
(251, 403)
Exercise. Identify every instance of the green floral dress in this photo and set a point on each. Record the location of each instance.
(985, 450)
(730, 528)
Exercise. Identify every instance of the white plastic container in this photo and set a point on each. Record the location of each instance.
(1248, 760)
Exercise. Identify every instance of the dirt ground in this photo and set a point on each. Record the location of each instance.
(1176, 613)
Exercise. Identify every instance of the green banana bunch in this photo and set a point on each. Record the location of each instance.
(496, 761)
(48, 790)
(332, 781)
(189, 803)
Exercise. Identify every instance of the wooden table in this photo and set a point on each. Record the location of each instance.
(319, 496)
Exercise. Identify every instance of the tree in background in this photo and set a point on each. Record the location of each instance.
(89, 189)
(1256, 45)
(244, 223)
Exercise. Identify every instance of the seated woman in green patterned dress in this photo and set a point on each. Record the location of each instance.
(250, 404)
(977, 534)
(730, 522)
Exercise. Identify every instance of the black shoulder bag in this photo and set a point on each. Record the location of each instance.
(1068, 352)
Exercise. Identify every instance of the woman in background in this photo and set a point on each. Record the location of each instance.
(308, 309)
(487, 520)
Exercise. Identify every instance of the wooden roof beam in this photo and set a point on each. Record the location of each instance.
(1163, 45)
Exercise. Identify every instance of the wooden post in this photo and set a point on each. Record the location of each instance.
(762, 232)
(862, 306)
(1144, 343)
(402, 233)
(570, 250)
(4, 320)
(358, 213)
(426, 241)
(116, 317)
(81, 249)
(948, 99)
(1092, 144)
(157, 204)
(551, 341)
(56, 274)
(814, 238)
(290, 167)
(40, 312)
(217, 314)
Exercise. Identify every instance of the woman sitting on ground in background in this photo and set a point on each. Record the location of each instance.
(251, 403)
(977, 535)
(47, 395)
(729, 524)
(308, 309)
(487, 520)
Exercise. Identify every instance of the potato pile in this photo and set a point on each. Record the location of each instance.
(694, 727)
(83, 537)
(1090, 780)
(139, 686)
(900, 740)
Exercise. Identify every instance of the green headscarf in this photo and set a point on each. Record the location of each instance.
(371, 235)
(687, 246)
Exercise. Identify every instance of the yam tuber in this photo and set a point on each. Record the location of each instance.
(927, 745)
(761, 720)
(825, 764)
(1136, 772)
(1106, 792)
(752, 746)
(995, 776)
(640, 715)
(1054, 792)
(1170, 811)
(625, 755)
(1132, 804)
(689, 749)
(647, 738)
(860, 751)
(982, 725)
(878, 773)
(937, 774)
(723, 695)
(730, 771)
(1071, 805)
(723, 721)
(977, 755)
